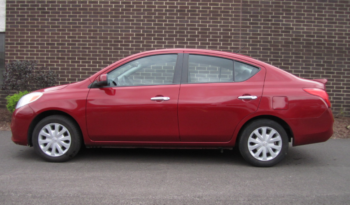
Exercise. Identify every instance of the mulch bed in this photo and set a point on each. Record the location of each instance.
(341, 127)
(340, 124)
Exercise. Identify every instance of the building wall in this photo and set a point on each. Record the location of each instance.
(2, 15)
(74, 38)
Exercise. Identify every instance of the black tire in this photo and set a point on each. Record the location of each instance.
(281, 138)
(61, 122)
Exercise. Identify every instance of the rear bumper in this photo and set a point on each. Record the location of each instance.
(21, 119)
(312, 130)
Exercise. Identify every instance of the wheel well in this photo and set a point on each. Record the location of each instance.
(270, 117)
(42, 115)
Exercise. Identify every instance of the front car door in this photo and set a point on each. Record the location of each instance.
(140, 103)
(215, 95)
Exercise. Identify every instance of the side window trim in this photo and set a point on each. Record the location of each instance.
(184, 78)
(178, 69)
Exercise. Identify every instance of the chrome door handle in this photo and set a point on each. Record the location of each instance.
(160, 98)
(247, 97)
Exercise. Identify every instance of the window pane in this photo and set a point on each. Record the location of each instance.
(244, 71)
(203, 69)
(151, 70)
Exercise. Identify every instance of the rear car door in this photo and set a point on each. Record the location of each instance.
(215, 95)
(140, 103)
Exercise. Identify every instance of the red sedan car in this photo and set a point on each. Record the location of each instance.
(178, 98)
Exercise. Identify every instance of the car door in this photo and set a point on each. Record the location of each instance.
(140, 103)
(215, 95)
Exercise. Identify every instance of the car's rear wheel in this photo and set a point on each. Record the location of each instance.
(56, 138)
(263, 143)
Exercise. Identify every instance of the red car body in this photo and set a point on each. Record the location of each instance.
(198, 115)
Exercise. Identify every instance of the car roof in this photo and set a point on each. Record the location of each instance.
(189, 50)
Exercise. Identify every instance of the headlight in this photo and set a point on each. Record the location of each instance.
(26, 99)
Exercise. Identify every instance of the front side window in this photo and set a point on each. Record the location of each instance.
(150, 70)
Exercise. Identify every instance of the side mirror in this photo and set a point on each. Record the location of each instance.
(101, 80)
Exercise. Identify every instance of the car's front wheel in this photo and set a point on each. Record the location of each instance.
(263, 143)
(56, 138)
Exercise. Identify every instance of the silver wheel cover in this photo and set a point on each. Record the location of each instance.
(54, 139)
(264, 143)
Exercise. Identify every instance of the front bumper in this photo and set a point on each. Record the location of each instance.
(21, 120)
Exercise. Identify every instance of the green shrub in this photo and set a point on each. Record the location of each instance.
(13, 99)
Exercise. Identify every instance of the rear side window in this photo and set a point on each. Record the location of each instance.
(244, 71)
(204, 69)
(207, 69)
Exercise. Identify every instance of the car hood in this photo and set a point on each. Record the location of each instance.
(59, 87)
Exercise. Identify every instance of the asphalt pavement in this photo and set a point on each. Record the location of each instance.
(311, 174)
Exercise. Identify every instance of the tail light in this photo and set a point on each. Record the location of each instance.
(320, 93)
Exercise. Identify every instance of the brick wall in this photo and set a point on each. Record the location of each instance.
(310, 39)
(76, 38)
